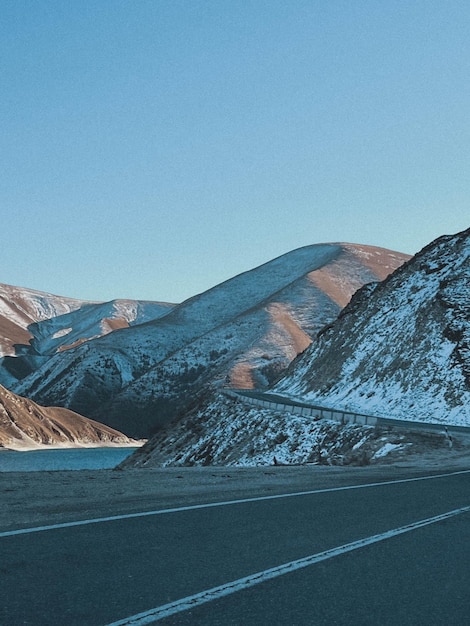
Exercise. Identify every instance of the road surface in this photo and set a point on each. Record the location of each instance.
(102, 572)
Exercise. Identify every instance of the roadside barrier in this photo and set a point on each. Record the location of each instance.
(343, 417)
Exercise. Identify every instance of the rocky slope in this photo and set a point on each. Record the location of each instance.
(401, 347)
(24, 424)
(243, 332)
(222, 431)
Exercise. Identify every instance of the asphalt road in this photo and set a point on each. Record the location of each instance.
(97, 574)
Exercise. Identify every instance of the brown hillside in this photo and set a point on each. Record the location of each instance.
(25, 424)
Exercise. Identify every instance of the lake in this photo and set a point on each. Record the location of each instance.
(62, 459)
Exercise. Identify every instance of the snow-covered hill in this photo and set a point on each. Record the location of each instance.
(26, 425)
(401, 347)
(243, 332)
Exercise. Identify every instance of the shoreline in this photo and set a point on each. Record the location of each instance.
(138, 443)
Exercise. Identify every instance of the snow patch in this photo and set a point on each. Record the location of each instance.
(62, 332)
(386, 449)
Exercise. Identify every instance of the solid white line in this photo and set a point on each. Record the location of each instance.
(194, 507)
(190, 602)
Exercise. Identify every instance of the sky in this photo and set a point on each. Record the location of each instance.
(151, 149)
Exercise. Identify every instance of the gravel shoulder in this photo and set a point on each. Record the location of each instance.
(39, 498)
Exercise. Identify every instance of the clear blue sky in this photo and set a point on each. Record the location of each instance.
(154, 148)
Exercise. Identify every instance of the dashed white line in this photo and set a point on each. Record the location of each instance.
(209, 595)
(194, 507)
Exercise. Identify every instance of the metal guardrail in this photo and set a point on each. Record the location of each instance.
(282, 403)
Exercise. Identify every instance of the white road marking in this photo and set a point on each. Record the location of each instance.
(194, 507)
(190, 602)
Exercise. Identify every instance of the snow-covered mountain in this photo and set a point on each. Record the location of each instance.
(90, 321)
(243, 332)
(36, 325)
(20, 307)
(25, 424)
(401, 348)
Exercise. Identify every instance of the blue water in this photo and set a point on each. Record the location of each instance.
(66, 459)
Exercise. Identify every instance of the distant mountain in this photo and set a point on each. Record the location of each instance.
(401, 347)
(90, 321)
(243, 332)
(20, 307)
(24, 424)
(35, 325)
